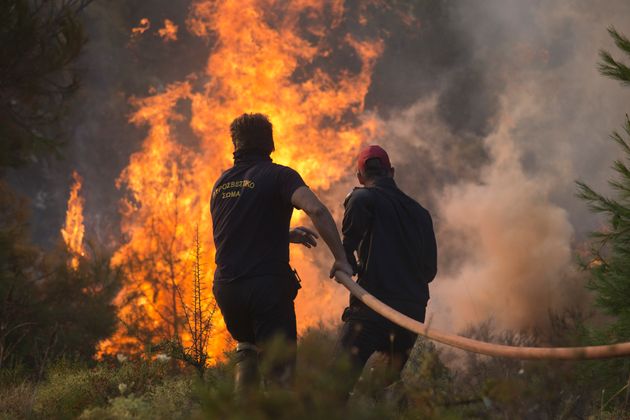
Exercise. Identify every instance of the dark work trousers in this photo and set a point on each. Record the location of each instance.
(256, 310)
(365, 332)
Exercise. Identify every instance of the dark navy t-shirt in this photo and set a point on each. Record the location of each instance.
(251, 213)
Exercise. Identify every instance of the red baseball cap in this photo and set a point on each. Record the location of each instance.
(373, 152)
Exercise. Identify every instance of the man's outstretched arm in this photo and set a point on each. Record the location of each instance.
(303, 198)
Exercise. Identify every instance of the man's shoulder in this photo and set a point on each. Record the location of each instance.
(422, 212)
(225, 174)
(415, 203)
(280, 168)
(285, 174)
(358, 194)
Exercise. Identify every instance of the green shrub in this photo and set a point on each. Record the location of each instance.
(170, 400)
(67, 392)
(138, 377)
(48, 310)
(322, 382)
(120, 408)
(174, 399)
(481, 387)
(70, 390)
(16, 400)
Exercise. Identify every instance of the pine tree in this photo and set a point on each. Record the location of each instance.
(610, 266)
(49, 310)
(40, 42)
(609, 66)
(609, 263)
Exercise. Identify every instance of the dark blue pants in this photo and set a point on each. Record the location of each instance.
(258, 308)
(365, 332)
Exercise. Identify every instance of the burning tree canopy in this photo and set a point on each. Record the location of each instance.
(266, 57)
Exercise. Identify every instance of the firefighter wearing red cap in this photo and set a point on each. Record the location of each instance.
(389, 241)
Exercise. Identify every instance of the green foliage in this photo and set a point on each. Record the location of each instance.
(17, 257)
(610, 263)
(16, 400)
(482, 388)
(169, 400)
(609, 260)
(613, 68)
(67, 392)
(322, 382)
(130, 407)
(428, 382)
(140, 389)
(507, 388)
(39, 40)
(48, 310)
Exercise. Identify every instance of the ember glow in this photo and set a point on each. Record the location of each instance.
(74, 229)
(142, 27)
(264, 58)
(169, 31)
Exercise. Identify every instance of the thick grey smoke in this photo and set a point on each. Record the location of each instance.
(507, 226)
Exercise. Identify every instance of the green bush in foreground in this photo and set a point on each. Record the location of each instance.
(321, 384)
(171, 399)
(473, 386)
(67, 393)
(16, 400)
(70, 390)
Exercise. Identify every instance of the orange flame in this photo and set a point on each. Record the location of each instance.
(260, 63)
(142, 27)
(169, 31)
(73, 229)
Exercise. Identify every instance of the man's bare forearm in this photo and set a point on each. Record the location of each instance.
(306, 200)
(325, 225)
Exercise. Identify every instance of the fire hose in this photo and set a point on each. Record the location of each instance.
(481, 347)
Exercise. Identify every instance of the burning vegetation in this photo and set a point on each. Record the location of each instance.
(169, 31)
(269, 63)
(74, 229)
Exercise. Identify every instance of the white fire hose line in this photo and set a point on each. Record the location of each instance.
(475, 346)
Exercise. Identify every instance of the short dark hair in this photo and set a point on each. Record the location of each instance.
(252, 132)
(374, 169)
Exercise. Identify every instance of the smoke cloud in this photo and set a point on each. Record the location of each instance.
(501, 184)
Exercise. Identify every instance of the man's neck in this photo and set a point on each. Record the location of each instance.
(246, 156)
(370, 183)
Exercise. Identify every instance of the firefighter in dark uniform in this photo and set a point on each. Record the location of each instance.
(392, 236)
(251, 209)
